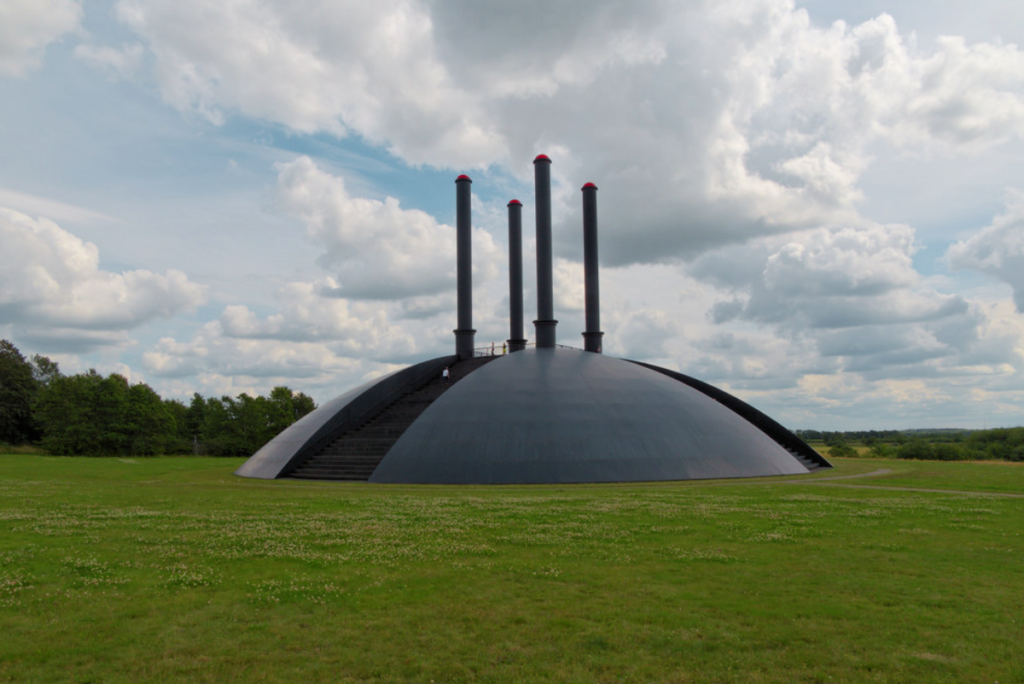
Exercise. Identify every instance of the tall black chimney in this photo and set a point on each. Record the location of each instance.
(592, 337)
(464, 334)
(516, 342)
(545, 323)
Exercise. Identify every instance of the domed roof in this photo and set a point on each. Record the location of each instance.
(565, 415)
(544, 415)
(555, 415)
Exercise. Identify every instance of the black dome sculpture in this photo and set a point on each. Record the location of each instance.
(548, 414)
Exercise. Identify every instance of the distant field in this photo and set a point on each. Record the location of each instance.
(171, 569)
(822, 449)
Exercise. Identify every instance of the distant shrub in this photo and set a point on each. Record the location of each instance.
(882, 450)
(950, 452)
(997, 444)
(842, 450)
(916, 449)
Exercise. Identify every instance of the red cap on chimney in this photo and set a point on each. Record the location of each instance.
(516, 202)
(589, 185)
(541, 157)
(463, 177)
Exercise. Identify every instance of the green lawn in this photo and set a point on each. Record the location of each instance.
(172, 569)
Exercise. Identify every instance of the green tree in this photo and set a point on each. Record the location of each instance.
(842, 450)
(111, 406)
(44, 370)
(285, 407)
(882, 450)
(838, 447)
(149, 426)
(66, 412)
(949, 451)
(195, 418)
(303, 404)
(916, 449)
(17, 391)
(253, 419)
(181, 441)
(240, 426)
(87, 414)
(280, 410)
(221, 434)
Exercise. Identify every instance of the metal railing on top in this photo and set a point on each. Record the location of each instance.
(502, 349)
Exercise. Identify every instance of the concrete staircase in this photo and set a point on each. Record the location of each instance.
(804, 461)
(356, 453)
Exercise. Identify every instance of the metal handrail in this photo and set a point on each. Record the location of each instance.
(362, 408)
(496, 350)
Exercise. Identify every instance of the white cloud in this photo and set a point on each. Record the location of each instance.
(712, 124)
(759, 123)
(315, 342)
(216, 362)
(212, 351)
(51, 286)
(53, 209)
(353, 329)
(28, 26)
(122, 62)
(997, 250)
(507, 54)
(964, 96)
(568, 286)
(830, 279)
(377, 249)
(645, 334)
(327, 66)
(736, 146)
(849, 299)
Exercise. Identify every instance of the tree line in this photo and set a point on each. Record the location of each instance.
(997, 444)
(87, 414)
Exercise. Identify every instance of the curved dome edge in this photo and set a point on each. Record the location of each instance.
(307, 435)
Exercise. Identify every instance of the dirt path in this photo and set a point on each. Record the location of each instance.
(821, 481)
(873, 473)
(830, 482)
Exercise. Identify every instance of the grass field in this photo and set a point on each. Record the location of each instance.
(171, 569)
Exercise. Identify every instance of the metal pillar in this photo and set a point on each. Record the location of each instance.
(592, 337)
(516, 341)
(464, 334)
(545, 323)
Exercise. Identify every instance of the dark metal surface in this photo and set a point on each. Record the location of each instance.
(545, 324)
(356, 451)
(516, 340)
(560, 415)
(317, 429)
(543, 415)
(465, 335)
(592, 293)
(769, 426)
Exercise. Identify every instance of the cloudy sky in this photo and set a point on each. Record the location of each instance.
(816, 205)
